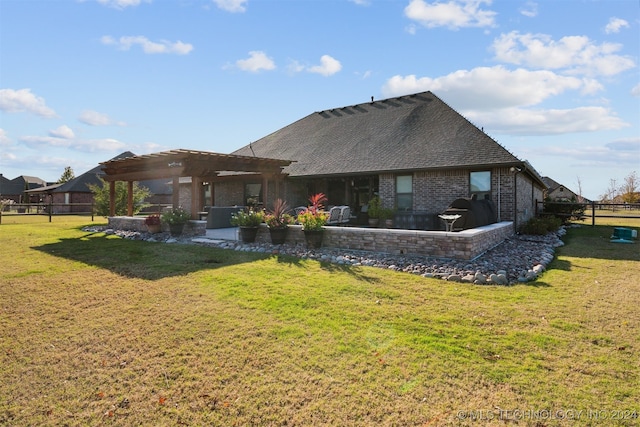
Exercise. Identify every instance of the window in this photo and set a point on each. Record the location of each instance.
(253, 194)
(480, 184)
(404, 192)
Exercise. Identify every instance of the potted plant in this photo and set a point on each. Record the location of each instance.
(248, 221)
(278, 221)
(154, 225)
(386, 215)
(176, 218)
(373, 211)
(313, 220)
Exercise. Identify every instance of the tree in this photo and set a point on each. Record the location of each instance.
(101, 197)
(66, 176)
(629, 189)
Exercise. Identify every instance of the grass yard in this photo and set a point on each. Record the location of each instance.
(96, 330)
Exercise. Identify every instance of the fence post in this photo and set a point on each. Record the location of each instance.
(50, 209)
(593, 213)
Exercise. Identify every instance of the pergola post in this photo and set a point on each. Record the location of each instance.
(112, 198)
(196, 196)
(175, 197)
(129, 198)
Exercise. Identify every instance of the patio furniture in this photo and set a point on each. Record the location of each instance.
(345, 214)
(334, 215)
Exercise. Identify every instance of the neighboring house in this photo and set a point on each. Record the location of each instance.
(75, 196)
(15, 189)
(415, 152)
(560, 193)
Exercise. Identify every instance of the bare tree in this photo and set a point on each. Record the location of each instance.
(629, 189)
(579, 183)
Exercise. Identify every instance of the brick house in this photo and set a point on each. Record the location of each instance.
(416, 152)
(75, 196)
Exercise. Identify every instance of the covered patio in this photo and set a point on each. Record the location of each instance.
(200, 166)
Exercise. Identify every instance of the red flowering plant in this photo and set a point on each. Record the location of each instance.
(278, 217)
(153, 219)
(314, 218)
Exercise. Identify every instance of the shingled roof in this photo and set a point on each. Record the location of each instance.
(413, 132)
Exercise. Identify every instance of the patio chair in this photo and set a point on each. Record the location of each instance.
(299, 210)
(334, 216)
(345, 215)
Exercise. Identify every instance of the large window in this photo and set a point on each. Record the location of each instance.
(404, 192)
(480, 184)
(253, 194)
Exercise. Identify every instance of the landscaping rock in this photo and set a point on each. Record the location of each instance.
(518, 259)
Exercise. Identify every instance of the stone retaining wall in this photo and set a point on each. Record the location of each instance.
(466, 244)
(134, 223)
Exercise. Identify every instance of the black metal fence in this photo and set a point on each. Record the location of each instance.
(591, 210)
(49, 209)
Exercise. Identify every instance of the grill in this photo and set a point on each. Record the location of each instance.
(473, 213)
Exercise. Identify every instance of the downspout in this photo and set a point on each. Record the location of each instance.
(499, 196)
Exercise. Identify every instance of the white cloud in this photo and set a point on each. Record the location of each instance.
(489, 88)
(63, 131)
(635, 91)
(573, 54)
(453, 14)
(328, 66)
(38, 142)
(520, 121)
(164, 46)
(530, 9)
(295, 66)
(121, 4)
(625, 144)
(231, 5)
(615, 25)
(4, 139)
(90, 145)
(361, 2)
(498, 99)
(95, 145)
(22, 100)
(94, 118)
(256, 62)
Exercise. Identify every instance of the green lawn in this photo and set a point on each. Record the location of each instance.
(96, 330)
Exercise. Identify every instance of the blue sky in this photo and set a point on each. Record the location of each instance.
(555, 81)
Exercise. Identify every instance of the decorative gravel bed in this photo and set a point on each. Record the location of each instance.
(519, 259)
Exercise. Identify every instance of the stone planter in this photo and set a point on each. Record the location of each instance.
(373, 222)
(313, 238)
(278, 235)
(248, 234)
(176, 229)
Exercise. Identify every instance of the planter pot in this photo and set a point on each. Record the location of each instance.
(176, 229)
(373, 222)
(313, 238)
(155, 228)
(388, 223)
(248, 234)
(278, 235)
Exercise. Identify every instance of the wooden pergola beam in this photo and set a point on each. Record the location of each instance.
(198, 165)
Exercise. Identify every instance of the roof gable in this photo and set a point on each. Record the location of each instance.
(413, 132)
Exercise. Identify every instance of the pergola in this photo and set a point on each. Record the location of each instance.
(201, 166)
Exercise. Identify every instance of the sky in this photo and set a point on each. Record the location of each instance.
(556, 82)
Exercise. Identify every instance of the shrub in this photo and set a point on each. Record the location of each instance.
(247, 218)
(176, 216)
(541, 225)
